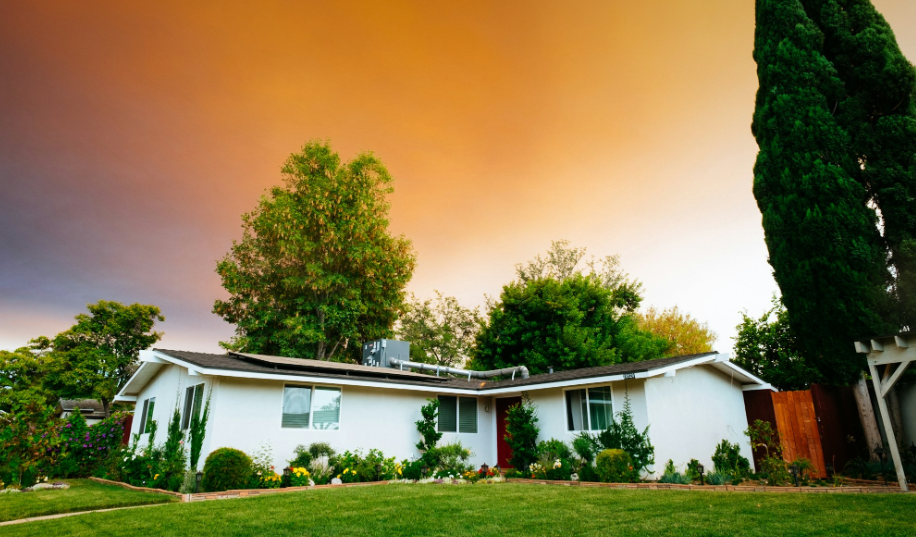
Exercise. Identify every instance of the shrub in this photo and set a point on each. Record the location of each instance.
(226, 469)
(622, 434)
(453, 458)
(693, 470)
(728, 459)
(585, 446)
(615, 466)
(589, 474)
(429, 433)
(263, 474)
(299, 476)
(197, 431)
(301, 457)
(412, 469)
(522, 433)
(719, 478)
(555, 449)
(319, 449)
(321, 470)
(672, 476)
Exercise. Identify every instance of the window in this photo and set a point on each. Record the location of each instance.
(589, 409)
(147, 417)
(457, 414)
(312, 407)
(193, 399)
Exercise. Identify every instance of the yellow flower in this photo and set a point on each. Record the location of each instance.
(155, 477)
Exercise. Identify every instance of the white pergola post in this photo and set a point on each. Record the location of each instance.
(888, 351)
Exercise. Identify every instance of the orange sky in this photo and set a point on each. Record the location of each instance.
(133, 135)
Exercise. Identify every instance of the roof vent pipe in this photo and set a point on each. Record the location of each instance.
(521, 370)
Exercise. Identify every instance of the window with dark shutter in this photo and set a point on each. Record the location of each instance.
(448, 414)
(149, 414)
(467, 414)
(188, 404)
(142, 428)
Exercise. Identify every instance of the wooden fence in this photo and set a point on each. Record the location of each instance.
(820, 424)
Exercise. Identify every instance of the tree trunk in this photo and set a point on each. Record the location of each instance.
(866, 414)
(105, 406)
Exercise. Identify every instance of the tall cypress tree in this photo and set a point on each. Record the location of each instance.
(823, 242)
(878, 111)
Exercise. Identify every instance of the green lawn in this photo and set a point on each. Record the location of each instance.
(83, 495)
(501, 510)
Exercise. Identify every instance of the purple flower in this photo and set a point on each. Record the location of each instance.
(84, 445)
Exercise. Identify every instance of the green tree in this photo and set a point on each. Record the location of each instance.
(566, 324)
(878, 110)
(440, 331)
(768, 348)
(522, 433)
(823, 241)
(96, 357)
(685, 334)
(316, 269)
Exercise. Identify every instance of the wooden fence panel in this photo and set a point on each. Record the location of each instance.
(797, 424)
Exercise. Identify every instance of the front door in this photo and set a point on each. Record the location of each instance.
(503, 451)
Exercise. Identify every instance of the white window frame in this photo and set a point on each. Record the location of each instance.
(588, 407)
(458, 398)
(147, 416)
(311, 409)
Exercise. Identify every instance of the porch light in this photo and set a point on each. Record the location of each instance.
(794, 471)
(830, 471)
(499, 471)
(701, 469)
(484, 469)
(199, 476)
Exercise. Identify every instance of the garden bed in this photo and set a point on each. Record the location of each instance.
(83, 495)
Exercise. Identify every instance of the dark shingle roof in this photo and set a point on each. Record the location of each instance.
(336, 370)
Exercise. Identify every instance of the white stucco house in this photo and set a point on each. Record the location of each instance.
(690, 403)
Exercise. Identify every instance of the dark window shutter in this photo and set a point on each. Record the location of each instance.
(467, 415)
(448, 414)
(149, 415)
(198, 400)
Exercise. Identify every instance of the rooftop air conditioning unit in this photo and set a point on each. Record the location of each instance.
(379, 352)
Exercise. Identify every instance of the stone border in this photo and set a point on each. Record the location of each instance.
(141, 489)
(717, 488)
(227, 494)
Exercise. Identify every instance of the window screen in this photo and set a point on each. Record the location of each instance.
(600, 407)
(297, 401)
(326, 408)
(448, 414)
(467, 415)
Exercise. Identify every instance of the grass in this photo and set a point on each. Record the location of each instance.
(83, 495)
(502, 510)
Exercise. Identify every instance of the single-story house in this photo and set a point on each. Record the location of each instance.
(690, 403)
(92, 410)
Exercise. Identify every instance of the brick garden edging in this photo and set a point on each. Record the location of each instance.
(227, 494)
(718, 488)
(141, 489)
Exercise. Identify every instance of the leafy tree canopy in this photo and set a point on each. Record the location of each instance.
(557, 315)
(440, 330)
(685, 334)
(768, 348)
(96, 357)
(316, 269)
(22, 379)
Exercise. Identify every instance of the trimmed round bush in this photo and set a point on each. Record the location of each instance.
(615, 466)
(226, 469)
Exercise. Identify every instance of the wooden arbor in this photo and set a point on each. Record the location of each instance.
(895, 354)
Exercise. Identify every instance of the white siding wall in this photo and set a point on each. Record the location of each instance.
(168, 388)
(247, 413)
(691, 413)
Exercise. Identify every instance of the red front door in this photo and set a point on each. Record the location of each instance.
(503, 451)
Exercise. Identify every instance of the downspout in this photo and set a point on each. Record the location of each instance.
(521, 370)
